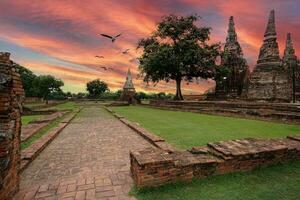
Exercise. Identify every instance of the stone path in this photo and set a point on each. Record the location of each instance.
(88, 160)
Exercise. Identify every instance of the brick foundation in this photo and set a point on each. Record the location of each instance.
(283, 112)
(153, 167)
(11, 95)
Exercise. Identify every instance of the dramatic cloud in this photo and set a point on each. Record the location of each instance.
(62, 37)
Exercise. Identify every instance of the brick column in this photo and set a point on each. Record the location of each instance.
(11, 95)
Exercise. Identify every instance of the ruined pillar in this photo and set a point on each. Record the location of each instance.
(290, 63)
(11, 95)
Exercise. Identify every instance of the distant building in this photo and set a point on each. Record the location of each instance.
(128, 93)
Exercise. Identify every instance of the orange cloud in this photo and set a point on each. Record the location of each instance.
(69, 30)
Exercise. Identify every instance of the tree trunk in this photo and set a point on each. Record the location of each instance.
(46, 100)
(178, 95)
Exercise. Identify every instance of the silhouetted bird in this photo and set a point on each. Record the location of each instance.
(99, 56)
(125, 51)
(107, 68)
(113, 38)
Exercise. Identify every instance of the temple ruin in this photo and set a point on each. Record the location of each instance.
(291, 64)
(11, 95)
(128, 93)
(231, 85)
(270, 79)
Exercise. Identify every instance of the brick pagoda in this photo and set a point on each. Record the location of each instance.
(128, 93)
(269, 80)
(232, 86)
(291, 64)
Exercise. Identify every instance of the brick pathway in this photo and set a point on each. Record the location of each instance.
(88, 160)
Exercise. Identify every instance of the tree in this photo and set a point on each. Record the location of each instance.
(141, 95)
(27, 78)
(43, 86)
(96, 88)
(178, 50)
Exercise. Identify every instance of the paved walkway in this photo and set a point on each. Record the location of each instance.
(88, 160)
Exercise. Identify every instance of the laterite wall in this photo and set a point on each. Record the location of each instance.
(11, 95)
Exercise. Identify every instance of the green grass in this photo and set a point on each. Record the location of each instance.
(270, 183)
(29, 118)
(42, 132)
(185, 129)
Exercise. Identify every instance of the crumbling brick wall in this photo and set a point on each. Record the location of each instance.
(153, 167)
(11, 95)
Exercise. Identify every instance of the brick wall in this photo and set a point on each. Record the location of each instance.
(11, 95)
(153, 167)
(255, 110)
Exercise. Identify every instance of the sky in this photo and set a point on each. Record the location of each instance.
(62, 37)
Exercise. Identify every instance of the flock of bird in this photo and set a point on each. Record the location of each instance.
(113, 39)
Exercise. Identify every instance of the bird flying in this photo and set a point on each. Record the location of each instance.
(107, 68)
(125, 51)
(113, 38)
(99, 56)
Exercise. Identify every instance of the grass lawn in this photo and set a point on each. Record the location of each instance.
(29, 118)
(185, 129)
(270, 183)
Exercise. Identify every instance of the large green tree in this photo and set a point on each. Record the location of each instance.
(178, 50)
(96, 87)
(43, 86)
(27, 78)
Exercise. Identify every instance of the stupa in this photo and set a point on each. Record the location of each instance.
(269, 80)
(128, 93)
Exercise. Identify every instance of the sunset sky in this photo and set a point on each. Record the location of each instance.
(61, 37)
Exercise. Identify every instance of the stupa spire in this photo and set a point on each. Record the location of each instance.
(289, 51)
(269, 51)
(231, 34)
(271, 30)
(232, 44)
(128, 83)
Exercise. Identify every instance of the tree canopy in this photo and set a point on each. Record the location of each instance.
(27, 78)
(178, 50)
(96, 88)
(45, 85)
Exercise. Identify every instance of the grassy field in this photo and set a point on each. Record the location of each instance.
(29, 118)
(185, 130)
(270, 183)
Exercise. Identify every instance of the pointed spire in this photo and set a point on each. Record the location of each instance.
(231, 34)
(269, 51)
(289, 51)
(270, 30)
(128, 83)
(232, 44)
